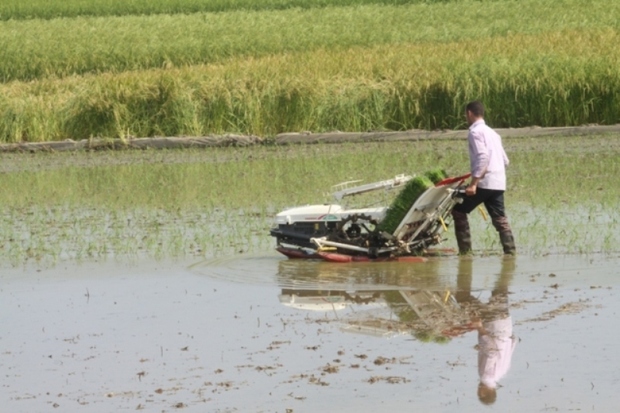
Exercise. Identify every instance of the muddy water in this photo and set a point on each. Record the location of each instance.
(263, 334)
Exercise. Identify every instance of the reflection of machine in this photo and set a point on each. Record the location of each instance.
(439, 311)
(315, 300)
(334, 233)
(428, 315)
(382, 300)
(370, 311)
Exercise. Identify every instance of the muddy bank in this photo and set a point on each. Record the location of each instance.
(417, 134)
(292, 138)
(133, 143)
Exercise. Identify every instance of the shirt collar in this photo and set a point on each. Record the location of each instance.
(477, 123)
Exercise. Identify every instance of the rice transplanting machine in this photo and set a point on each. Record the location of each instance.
(403, 231)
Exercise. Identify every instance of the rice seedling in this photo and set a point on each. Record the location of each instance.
(274, 177)
(403, 201)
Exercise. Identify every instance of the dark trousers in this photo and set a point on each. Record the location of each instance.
(493, 201)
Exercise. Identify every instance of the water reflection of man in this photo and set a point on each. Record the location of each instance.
(496, 341)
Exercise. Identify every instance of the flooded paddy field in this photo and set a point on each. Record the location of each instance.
(265, 334)
(147, 281)
(562, 196)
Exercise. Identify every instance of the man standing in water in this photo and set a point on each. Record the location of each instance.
(488, 162)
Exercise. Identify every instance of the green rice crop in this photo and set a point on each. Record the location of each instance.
(45, 9)
(565, 78)
(369, 67)
(36, 48)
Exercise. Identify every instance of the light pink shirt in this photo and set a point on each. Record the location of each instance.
(495, 351)
(487, 156)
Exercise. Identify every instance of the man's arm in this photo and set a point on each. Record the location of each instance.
(472, 187)
(477, 324)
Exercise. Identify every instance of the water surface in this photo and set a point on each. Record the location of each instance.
(265, 334)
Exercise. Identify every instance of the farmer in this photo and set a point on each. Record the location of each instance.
(488, 162)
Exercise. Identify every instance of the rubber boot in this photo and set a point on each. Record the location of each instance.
(502, 226)
(461, 230)
(508, 242)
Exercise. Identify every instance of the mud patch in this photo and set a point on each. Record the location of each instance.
(564, 309)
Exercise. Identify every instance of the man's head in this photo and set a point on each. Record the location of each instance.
(474, 111)
(487, 395)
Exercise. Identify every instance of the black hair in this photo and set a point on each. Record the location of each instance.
(476, 107)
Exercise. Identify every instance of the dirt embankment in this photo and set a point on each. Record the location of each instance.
(292, 138)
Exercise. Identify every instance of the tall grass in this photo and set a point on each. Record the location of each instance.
(33, 49)
(564, 78)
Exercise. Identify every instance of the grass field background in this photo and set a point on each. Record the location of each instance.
(81, 69)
